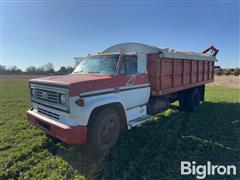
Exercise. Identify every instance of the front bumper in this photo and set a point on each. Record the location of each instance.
(66, 133)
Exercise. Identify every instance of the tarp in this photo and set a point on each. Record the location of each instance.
(166, 52)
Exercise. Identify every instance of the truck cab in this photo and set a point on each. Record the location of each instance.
(117, 89)
(104, 94)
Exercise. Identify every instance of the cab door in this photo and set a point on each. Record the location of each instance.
(135, 89)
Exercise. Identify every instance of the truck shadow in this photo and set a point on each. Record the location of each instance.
(156, 148)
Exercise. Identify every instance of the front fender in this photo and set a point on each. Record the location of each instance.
(90, 103)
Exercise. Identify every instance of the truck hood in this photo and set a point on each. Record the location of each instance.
(78, 83)
(70, 79)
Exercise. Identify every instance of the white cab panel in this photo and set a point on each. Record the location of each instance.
(142, 63)
(134, 97)
(136, 112)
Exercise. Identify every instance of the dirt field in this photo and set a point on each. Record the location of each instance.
(153, 150)
(227, 81)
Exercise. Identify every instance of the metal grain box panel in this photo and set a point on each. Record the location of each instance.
(168, 75)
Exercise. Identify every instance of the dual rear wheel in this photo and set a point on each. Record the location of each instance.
(190, 100)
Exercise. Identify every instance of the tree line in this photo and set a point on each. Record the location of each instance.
(227, 72)
(47, 69)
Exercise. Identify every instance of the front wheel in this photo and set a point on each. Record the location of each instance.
(104, 131)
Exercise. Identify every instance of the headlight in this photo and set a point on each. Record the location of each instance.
(33, 92)
(62, 99)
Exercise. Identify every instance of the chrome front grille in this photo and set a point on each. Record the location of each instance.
(49, 96)
(48, 113)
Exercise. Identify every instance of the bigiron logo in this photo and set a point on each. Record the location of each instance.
(202, 171)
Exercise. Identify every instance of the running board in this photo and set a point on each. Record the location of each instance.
(139, 120)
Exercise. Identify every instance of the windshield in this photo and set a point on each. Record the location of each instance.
(106, 64)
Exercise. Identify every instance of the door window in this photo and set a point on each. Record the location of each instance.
(129, 65)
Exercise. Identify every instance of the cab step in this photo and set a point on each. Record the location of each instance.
(139, 120)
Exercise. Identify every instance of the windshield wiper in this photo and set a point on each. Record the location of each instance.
(77, 72)
(87, 72)
(97, 72)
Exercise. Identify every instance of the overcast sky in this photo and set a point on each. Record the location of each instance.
(34, 33)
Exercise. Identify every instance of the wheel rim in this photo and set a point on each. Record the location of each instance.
(108, 132)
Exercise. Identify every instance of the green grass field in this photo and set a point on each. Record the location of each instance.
(153, 150)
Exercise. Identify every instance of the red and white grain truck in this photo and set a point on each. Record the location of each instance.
(119, 88)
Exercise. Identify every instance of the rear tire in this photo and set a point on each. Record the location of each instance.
(104, 130)
(183, 101)
(190, 100)
(193, 100)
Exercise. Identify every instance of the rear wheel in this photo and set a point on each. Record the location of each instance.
(183, 101)
(193, 100)
(104, 130)
(190, 100)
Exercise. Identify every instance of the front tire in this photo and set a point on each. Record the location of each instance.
(104, 131)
